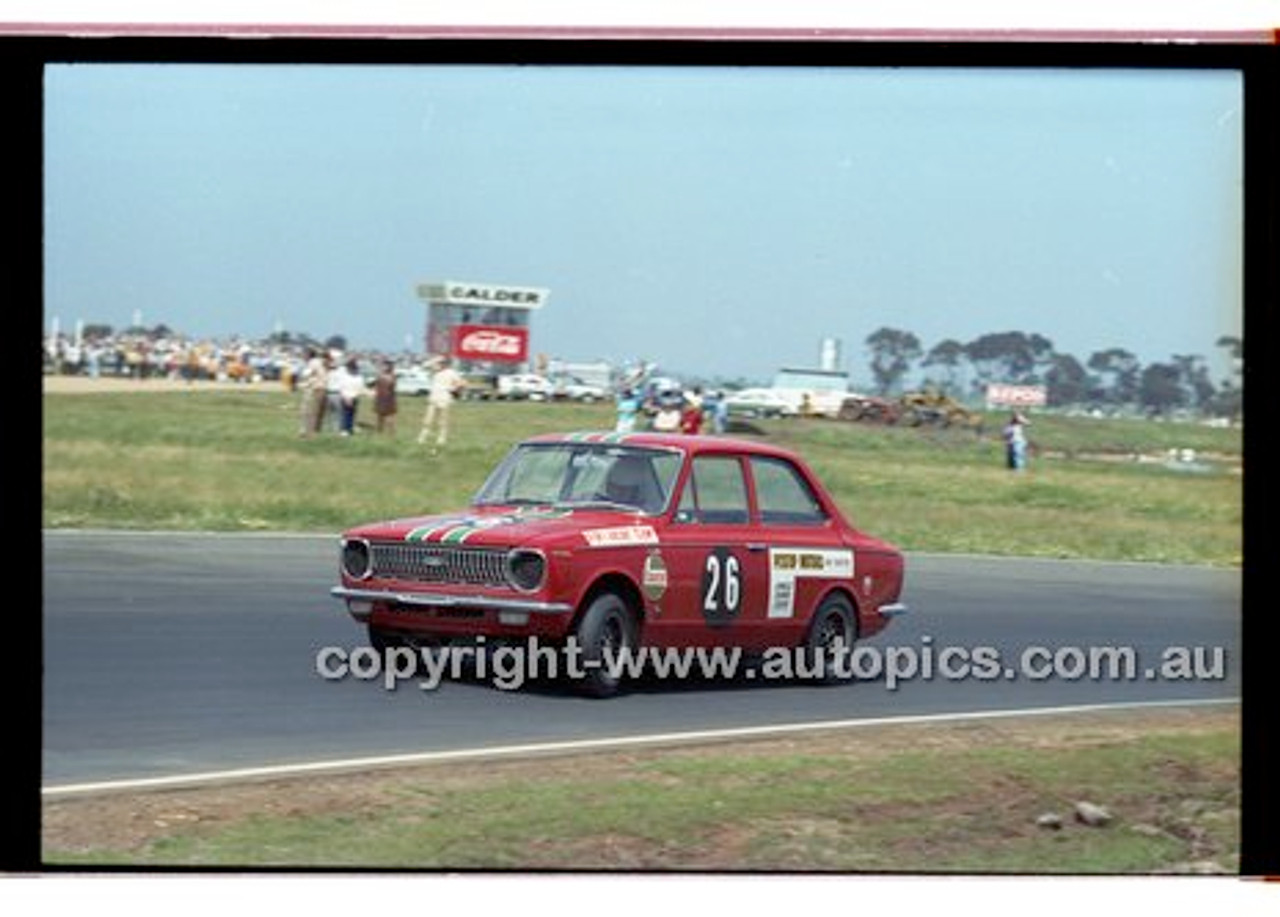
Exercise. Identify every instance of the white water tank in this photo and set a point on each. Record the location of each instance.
(829, 355)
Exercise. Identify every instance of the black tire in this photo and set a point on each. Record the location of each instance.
(382, 640)
(832, 625)
(606, 629)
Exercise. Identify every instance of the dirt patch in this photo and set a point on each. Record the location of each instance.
(124, 821)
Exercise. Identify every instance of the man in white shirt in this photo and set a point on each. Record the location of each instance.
(667, 420)
(350, 388)
(446, 382)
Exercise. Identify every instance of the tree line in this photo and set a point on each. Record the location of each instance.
(1113, 378)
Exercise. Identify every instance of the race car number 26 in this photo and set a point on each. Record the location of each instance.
(721, 587)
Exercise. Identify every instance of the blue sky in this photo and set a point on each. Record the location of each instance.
(719, 221)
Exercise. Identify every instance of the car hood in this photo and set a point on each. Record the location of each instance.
(498, 526)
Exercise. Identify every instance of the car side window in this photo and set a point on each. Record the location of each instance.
(716, 492)
(784, 496)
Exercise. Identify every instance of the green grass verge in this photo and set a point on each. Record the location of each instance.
(949, 800)
(232, 461)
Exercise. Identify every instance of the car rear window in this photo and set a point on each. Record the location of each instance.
(784, 496)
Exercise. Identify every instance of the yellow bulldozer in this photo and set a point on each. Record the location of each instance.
(926, 408)
(933, 408)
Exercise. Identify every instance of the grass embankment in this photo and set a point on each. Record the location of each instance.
(912, 799)
(232, 461)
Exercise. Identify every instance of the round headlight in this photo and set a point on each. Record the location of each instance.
(356, 562)
(526, 569)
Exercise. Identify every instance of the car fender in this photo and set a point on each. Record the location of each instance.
(850, 595)
(614, 578)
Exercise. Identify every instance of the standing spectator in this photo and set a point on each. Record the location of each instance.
(719, 410)
(1015, 442)
(315, 387)
(73, 357)
(350, 387)
(333, 397)
(384, 398)
(691, 416)
(133, 357)
(667, 420)
(446, 383)
(191, 363)
(628, 407)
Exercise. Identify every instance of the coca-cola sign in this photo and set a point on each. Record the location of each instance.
(497, 343)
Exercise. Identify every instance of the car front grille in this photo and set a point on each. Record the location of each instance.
(440, 564)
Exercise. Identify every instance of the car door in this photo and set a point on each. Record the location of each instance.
(717, 572)
(806, 554)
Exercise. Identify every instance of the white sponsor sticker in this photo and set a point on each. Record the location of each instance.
(786, 565)
(622, 535)
(782, 598)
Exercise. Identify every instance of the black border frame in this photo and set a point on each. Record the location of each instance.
(23, 59)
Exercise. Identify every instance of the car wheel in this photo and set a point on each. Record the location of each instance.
(381, 641)
(829, 641)
(606, 630)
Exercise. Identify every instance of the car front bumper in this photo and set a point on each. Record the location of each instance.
(360, 602)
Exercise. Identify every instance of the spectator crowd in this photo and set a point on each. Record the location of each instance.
(161, 354)
(329, 382)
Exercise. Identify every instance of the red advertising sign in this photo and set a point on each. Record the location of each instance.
(1017, 396)
(497, 343)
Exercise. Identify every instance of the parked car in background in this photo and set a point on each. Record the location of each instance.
(412, 380)
(518, 386)
(817, 403)
(479, 386)
(611, 542)
(759, 402)
(571, 388)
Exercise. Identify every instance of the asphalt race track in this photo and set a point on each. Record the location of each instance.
(179, 654)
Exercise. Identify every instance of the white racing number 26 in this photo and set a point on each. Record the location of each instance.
(721, 587)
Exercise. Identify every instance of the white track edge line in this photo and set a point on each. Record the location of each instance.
(609, 744)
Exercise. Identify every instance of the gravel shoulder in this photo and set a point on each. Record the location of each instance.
(133, 826)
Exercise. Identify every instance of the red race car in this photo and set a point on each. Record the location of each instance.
(620, 542)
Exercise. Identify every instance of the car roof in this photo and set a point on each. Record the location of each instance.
(684, 442)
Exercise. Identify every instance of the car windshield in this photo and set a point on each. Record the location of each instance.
(572, 474)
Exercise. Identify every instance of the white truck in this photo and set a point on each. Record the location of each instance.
(813, 392)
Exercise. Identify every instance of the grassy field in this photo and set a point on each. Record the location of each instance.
(232, 461)
(898, 799)
(890, 799)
